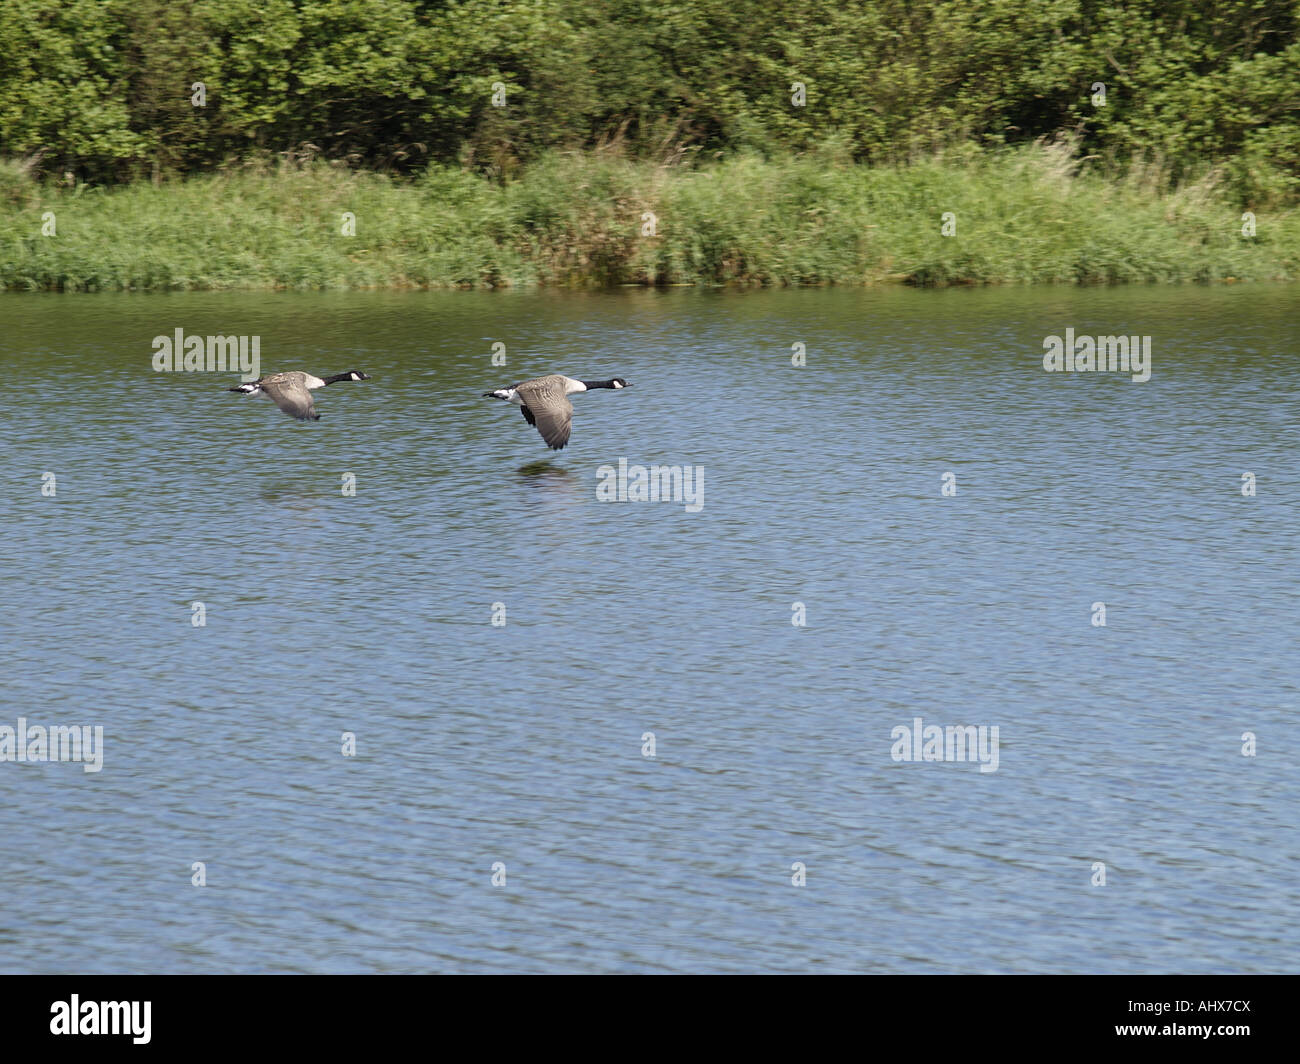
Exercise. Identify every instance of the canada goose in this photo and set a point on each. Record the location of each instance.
(544, 402)
(292, 391)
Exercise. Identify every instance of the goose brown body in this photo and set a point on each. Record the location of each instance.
(291, 391)
(544, 402)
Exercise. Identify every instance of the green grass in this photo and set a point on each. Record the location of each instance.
(1027, 216)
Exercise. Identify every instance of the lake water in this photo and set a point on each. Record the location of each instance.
(522, 743)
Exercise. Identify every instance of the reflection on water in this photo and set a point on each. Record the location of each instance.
(370, 612)
(548, 471)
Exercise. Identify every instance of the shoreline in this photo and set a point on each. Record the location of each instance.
(1032, 215)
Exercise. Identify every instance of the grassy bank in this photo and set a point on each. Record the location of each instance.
(1027, 216)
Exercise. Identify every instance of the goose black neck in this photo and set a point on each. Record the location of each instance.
(351, 374)
(598, 384)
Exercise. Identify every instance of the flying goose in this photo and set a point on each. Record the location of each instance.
(544, 402)
(292, 391)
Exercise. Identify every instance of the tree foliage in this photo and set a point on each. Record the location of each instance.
(103, 87)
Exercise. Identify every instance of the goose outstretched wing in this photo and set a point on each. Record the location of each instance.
(547, 407)
(289, 390)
